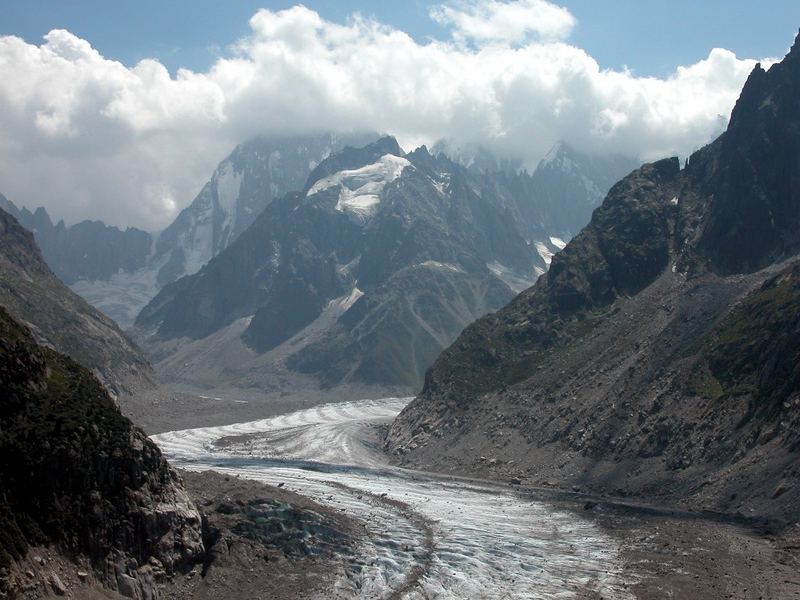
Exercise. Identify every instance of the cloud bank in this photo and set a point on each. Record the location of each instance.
(89, 137)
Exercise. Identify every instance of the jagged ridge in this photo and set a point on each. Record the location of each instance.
(621, 369)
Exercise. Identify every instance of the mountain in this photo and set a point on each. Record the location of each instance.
(242, 186)
(105, 265)
(86, 250)
(61, 319)
(252, 176)
(78, 477)
(119, 272)
(361, 278)
(658, 356)
(568, 185)
(559, 196)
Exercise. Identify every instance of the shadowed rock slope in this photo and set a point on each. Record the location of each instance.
(60, 318)
(79, 476)
(658, 356)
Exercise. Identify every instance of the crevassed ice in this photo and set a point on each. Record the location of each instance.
(486, 541)
(360, 189)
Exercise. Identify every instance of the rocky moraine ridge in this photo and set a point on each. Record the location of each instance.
(658, 357)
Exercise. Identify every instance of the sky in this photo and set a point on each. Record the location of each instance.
(121, 111)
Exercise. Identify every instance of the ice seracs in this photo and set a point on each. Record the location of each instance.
(360, 189)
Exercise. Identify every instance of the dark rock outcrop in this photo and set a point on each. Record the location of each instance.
(79, 476)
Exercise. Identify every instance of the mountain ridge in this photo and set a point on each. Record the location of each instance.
(63, 320)
(78, 475)
(593, 378)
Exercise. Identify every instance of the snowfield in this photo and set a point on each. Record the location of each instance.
(427, 536)
(360, 189)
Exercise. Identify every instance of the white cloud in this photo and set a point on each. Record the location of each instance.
(511, 22)
(91, 138)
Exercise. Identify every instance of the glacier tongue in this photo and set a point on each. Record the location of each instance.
(426, 536)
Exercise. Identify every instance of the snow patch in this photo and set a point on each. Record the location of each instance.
(229, 184)
(510, 278)
(558, 242)
(435, 264)
(345, 302)
(544, 252)
(199, 247)
(674, 201)
(442, 183)
(123, 296)
(360, 189)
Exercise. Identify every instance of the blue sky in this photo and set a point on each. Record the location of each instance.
(132, 141)
(651, 38)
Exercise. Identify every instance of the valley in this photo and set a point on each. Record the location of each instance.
(424, 535)
(388, 314)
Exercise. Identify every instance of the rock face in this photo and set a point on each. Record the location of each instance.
(78, 475)
(61, 319)
(244, 184)
(658, 355)
(87, 250)
(558, 198)
(363, 277)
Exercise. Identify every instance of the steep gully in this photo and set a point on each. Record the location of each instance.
(426, 535)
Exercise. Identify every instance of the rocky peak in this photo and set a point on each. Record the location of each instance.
(695, 371)
(17, 245)
(350, 158)
(754, 216)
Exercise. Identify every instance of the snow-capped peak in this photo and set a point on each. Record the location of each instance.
(360, 189)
